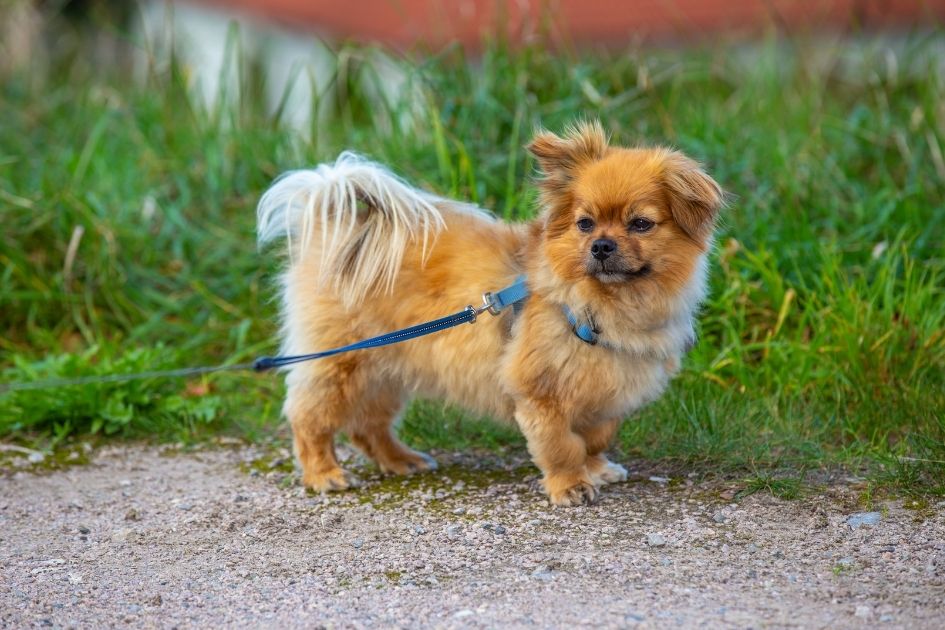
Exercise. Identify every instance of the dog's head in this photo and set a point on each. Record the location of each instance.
(622, 216)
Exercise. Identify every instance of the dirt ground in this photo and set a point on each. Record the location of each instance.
(145, 537)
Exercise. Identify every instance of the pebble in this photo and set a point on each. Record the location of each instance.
(36, 457)
(84, 530)
(543, 573)
(657, 479)
(863, 612)
(855, 521)
(655, 540)
(459, 511)
(358, 543)
(184, 506)
(718, 517)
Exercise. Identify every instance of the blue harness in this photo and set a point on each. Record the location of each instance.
(492, 303)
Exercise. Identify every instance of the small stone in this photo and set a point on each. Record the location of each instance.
(459, 511)
(122, 535)
(543, 573)
(534, 522)
(855, 521)
(84, 530)
(132, 515)
(718, 517)
(36, 457)
(845, 562)
(358, 543)
(658, 479)
(240, 499)
(499, 530)
(185, 506)
(463, 613)
(752, 548)
(863, 612)
(452, 531)
(655, 540)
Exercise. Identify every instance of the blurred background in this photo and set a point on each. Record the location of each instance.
(137, 137)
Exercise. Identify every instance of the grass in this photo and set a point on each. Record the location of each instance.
(128, 240)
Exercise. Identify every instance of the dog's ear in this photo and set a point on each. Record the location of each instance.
(560, 157)
(695, 199)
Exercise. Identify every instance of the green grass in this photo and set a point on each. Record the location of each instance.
(822, 344)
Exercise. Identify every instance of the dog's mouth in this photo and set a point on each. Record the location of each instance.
(608, 274)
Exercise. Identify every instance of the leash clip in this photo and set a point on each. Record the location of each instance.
(489, 304)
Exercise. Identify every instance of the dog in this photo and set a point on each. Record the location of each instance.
(619, 249)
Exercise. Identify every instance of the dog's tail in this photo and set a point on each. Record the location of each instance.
(358, 219)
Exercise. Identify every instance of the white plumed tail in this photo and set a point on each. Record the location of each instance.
(358, 216)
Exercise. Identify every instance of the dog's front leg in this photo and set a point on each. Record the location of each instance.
(599, 436)
(558, 451)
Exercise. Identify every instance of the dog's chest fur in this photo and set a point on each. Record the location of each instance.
(589, 383)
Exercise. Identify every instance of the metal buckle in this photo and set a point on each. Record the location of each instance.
(489, 305)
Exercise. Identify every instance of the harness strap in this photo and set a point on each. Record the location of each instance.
(587, 330)
(512, 295)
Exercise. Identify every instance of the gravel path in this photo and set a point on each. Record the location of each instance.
(221, 537)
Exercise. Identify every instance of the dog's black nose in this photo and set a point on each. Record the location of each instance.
(602, 248)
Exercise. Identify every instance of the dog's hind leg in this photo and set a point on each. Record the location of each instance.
(322, 397)
(372, 432)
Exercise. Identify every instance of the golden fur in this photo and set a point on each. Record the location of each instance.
(368, 254)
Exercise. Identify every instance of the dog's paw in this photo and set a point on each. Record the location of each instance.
(409, 463)
(332, 481)
(569, 495)
(608, 472)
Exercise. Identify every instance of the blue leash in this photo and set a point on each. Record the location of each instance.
(493, 303)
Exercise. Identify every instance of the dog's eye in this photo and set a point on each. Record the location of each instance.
(585, 224)
(641, 225)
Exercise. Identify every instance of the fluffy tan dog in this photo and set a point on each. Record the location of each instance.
(620, 243)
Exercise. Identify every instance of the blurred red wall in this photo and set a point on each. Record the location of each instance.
(403, 23)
